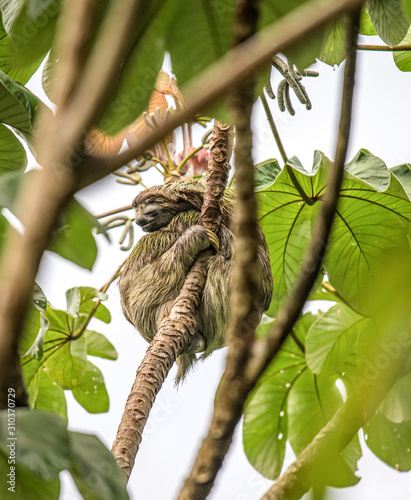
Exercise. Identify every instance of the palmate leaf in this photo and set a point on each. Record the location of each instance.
(313, 400)
(372, 217)
(333, 48)
(265, 427)
(332, 338)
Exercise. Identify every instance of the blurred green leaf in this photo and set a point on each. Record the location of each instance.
(208, 28)
(12, 153)
(137, 77)
(95, 470)
(396, 407)
(390, 441)
(43, 444)
(389, 19)
(74, 240)
(30, 486)
(91, 390)
(31, 25)
(8, 65)
(98, 345)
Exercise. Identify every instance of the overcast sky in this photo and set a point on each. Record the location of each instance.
(180, 418)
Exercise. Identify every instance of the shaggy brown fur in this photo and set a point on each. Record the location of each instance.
(157, 267)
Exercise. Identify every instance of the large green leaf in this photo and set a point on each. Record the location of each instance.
(31, 25)
(390, 441)
(313, 400)
(138, 75)
(402, 58)
(207, 27)
(332, 338)
(366, 27)
(389, 19)
(265, 173)
(74, 240)
(95, 470)
(265, 418)
(397, 405)
(91, 390)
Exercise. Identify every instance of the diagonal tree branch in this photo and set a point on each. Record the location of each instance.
(216, 81)
(178, 332)
(237, 382)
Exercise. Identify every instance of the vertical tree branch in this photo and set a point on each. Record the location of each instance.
(238, 380)
(178, 332)
(245, 281)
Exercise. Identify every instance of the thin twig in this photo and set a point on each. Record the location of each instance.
(384, 48)
(114, 211)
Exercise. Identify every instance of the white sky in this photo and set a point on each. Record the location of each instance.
(180, 418)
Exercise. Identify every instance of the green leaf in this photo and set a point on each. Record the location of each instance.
(402, 58)
(403, 174)
(366, 27)
(73, 301)
(36, 350)
(20, 74)
(98, 345)
(389, 441)
(407, 6)
(31, 25)
(265, 173)
(367, 224)
(312, 402)
(67, 359)
(95, 470)
(39, 299)
(30, 486)
(370, 169)
(332, 338)
(30, 330)
(18, 106)
(49, 396)
(137, 78)
(265, 416)
(286, 222)
(91, 391)
(74, 239)
(12, 153)
(42, 442)
(80, 300)
(397, 405)
(333, 48)
(389, 19)
(208, 27)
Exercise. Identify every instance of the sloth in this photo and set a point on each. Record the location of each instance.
(158, 265)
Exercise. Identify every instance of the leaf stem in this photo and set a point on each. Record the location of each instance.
(290, 170)
(385, 48)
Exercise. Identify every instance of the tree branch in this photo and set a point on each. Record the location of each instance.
(238, 381)
(216, 81)
(244, 307)
(178, 332)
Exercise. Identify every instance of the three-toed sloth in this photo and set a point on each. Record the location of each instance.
(158, 264)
